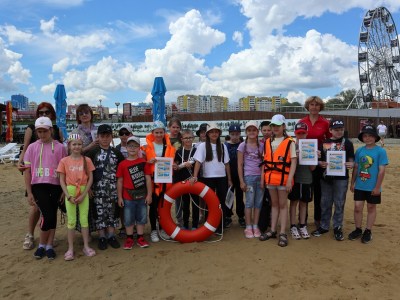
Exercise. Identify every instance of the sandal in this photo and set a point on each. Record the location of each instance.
(283, 240)
(69, 255)
(304, 233)
(267, 235)
(295, 233)
(29, 242)
(89, 252)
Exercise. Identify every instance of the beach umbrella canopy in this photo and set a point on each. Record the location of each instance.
(9, 132)
(61, 108)
(158, 93)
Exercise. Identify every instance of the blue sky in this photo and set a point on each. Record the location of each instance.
(112, 50)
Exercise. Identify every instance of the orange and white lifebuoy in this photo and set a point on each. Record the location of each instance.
(201, 233)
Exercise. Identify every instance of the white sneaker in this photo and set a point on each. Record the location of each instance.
(154, 236)
(164, 235)
(295, 233)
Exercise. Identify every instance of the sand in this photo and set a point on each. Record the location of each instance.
(235, 268)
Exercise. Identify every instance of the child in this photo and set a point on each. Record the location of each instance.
(157, 145)
(249, 161)
(42, 183)
(76, 178)
(124, 133)
(201, 133)
(265, 213)
(334, 188)
(185, 162)
(175, 126)
(301, 192)
(366, 181)
(134, 192)
(232, 146)
(106, 159)
(280, 165)
(214, 159)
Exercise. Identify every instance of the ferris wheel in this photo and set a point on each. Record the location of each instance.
(378, 59)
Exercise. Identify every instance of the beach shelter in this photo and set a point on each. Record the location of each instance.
(9, 132)
(158, 93)
(61, 108)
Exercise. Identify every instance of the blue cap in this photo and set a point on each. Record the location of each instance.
(234, 127)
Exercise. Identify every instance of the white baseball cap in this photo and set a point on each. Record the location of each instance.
(278, 120)
(134, 139)
(251, 123)
(43, 122)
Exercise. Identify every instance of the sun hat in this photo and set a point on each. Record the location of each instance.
(157, 125)
(43, 122)
(211, 126)
(234, 128)
(301, 128)
(203, 127)
(278, 120)
(370, 129)
(133, 139)
(336, 123)
(251, 123)
(104, 128)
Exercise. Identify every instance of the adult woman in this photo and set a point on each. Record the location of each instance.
(318, 128)
(44, 109)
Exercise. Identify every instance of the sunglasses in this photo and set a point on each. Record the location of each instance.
(81, 113)
(126, 133)
(44, 112)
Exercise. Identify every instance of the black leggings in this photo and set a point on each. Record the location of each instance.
(47, 197)
(220, 186)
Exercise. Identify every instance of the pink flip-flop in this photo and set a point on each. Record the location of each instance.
(69, 255)
(89, 252)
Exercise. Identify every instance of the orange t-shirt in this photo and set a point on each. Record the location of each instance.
(74, 170)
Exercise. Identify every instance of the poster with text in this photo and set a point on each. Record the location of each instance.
(308, 154)
(163, 170)
(336, 163)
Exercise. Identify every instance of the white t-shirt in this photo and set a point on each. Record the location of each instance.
(381, 129)
(278, 141)
(214, 168)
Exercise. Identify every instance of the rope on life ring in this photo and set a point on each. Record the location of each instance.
(201, 233)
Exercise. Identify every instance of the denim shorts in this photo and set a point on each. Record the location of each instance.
(135, 212)
(254, 193)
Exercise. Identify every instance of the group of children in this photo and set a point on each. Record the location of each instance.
(120, 182)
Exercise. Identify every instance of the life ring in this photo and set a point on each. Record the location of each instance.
(201, 233)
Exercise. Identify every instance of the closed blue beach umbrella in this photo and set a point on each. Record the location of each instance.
(158, 93)
(61, 108)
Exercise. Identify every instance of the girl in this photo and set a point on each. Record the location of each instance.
(249, 160)
(76, 178)
(213, 156)
(157, 145)
(280, 164)
(175, 126)
(42, 183)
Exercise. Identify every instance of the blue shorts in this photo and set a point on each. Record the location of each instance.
(254, 193)
(135, 212)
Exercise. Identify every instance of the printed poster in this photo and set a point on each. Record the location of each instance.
(163, 170)
(336, 163)
(308, 152)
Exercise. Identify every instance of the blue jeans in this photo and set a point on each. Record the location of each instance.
(135, 212)
(333, 193)
(254, 193)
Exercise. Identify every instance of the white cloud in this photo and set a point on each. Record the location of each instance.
(238, 38)
(18, 73)
(47, 27)
(14, 35)
(61, 66)
(296, 96)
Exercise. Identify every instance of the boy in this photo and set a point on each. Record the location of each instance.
(134, 192)
(185, 163)
(301, 192)
(334, 188)
(266, 130)
(366, 182)
(106, 159)
(232, 146)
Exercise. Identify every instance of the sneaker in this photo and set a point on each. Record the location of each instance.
(122, 233)
(242, 223)
(113, 242)
(102, 245)
(338, 233)
(39, 253)
(164, 235)
(320, 231)
(295, 233)
(154, 236)
(355, 234)
(248, 233)
(29, 242)
(227, 222)
(304, 232)
(366, 236)
(129, 242)
(51, 254)
(142, 243)
(257, 232)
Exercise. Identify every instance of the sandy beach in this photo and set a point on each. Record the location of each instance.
(235, 268)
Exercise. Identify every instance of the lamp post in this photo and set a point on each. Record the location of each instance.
(101, 110)
(117, 104)
(379, 89)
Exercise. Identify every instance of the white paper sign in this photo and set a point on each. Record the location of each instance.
(163, 170)
(336, 163)
(308, 154)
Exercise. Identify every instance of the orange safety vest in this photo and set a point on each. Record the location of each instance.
(168, 151)
(277, 164)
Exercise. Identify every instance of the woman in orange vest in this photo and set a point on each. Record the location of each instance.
(279, 166)
(158, 145)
